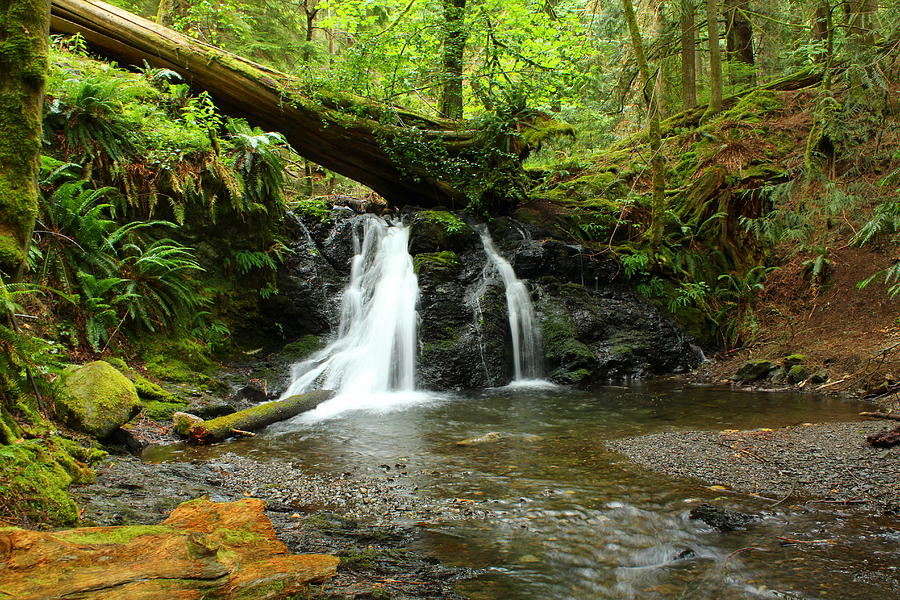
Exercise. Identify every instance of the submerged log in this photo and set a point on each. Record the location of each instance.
(255, 418)
(226, 550)
(350, 135)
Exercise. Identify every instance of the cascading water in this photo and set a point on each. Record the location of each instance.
(526, 336)
(375, 350)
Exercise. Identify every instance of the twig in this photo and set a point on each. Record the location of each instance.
(404, 582)
(243, 433)
(725, 562)
(788, 495)
(785, 540)
(822, 387)
(838, 502)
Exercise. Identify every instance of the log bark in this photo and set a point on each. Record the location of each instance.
(350, 135)
(255, 418)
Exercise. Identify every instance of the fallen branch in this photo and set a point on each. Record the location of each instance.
(894, 416)
(785, 541)
(255, 418)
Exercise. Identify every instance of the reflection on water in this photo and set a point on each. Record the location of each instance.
(570, 520)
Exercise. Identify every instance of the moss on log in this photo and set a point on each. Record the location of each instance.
(377, 145)
(255, 418)
(23, 70)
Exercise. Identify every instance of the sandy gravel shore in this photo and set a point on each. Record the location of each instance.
(821, 464)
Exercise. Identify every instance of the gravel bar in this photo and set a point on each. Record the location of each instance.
(823, 464)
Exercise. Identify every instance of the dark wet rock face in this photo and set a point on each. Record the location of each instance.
(721, 518)
(594, 326)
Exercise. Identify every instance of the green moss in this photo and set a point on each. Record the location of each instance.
(113, 535)
(178, 360)
(451, 224)
(752, 108)
(236, 537)
(96, 398)
(146, 389)
(34, 477)
(162, 411)
(445, 263)
(300, 349)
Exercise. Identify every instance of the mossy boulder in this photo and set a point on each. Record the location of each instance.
(794, 360)
(96, 398)
(754, 370)
(34, 477)
(797, 373)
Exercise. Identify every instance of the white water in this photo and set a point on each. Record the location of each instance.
(526, 336)
(374, 355)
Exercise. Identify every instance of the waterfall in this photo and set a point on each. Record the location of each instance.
(526, 336)
(375, 349)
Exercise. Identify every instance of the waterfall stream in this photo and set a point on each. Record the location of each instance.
(375, 350)
(526, 336)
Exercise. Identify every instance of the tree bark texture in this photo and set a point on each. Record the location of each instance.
(688, 54)
(656, 159)
(715, 58)
(347, 134)
(738, 32)
(24, 28)
(452, 63)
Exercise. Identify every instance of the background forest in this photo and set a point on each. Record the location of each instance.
(740, 159)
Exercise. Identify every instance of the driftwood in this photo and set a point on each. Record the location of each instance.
(894, 416)
(345, 133)
(887, 438)
(243, 422)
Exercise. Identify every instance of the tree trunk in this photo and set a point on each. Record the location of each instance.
(452, 63)
(659, 29)
(382, 147)
(24, 28)
(715, 59)
(738, 32)
(861, 23)
(256, 417)
(656, 159)
(688, 52)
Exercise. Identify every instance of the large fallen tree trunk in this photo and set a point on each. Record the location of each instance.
(255, 418)
(382, 147)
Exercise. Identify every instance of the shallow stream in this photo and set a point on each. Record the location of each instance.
(568, 519)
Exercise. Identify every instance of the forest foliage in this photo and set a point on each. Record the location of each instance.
(700, 145)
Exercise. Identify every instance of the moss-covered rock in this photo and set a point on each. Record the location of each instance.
(96, 398)
(754, 370)
(441, 266)
(797, 373)
(793, 360)
(438, 230)
(34, 477)
(570, 359)
(146, 389)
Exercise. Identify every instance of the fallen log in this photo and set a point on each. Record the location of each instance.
(255, 417)
(378, 145)
(894, 416)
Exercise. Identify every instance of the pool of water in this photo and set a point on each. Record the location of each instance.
(568, 519)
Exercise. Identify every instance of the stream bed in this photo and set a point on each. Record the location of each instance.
(545, 511)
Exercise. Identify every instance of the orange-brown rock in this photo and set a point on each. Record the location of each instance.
(203, 550)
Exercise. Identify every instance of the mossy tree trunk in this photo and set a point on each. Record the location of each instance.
(452, 67)
(688, 54)
(715, 59)
(657, 165)
(398, 153)
(739, 39)
(24, 27)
